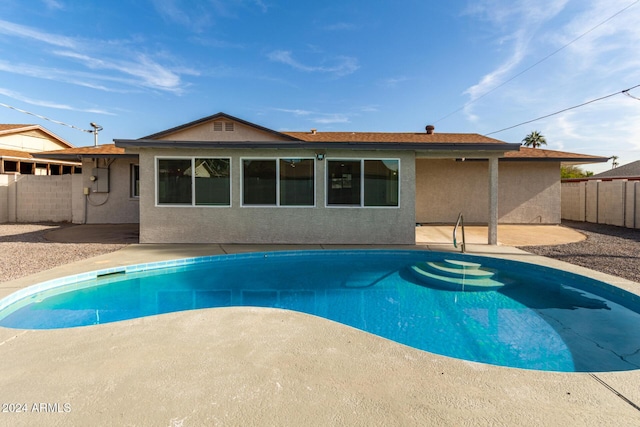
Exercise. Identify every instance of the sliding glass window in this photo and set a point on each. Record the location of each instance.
(296, 182)
(278, 182)
(381, 182)
(363, 182)
(174, 181)
(213, 182)
(194, 182)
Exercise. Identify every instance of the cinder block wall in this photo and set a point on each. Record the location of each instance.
(611, 201)
(43, 198)
(4, 194)
(573, 201)
(603, 202)
(632, 205)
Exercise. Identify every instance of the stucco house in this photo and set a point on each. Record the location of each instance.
(221, 179)
(18, 143)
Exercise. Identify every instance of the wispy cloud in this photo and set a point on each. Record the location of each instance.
(515, 23)
(587, 45)
(316, 117)
(342, 65)
(200, 14)
(48, 104)
(17, 30)
(53, 4)
(193, 16)
(392, 82)
(131, 68)
(340, 26)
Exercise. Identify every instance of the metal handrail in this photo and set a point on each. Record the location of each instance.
(460, 222)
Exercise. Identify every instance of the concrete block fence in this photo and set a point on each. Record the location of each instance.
(35, 198)
(615, 202)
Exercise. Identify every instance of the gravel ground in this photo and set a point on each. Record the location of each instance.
(25, 250)
(608, 249)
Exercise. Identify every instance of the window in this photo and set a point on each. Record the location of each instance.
(135, 181)
(174, 181)
(278, 182)
(213, 182)
(367, 182)
(199, 181)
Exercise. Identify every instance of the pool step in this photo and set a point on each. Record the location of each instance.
(456, 275)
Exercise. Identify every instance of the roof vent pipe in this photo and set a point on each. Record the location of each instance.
(430, 129)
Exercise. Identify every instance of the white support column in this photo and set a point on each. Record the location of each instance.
(493, 201)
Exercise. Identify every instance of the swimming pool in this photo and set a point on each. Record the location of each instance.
(527, 316)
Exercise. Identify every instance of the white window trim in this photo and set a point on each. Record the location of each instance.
(277, 160)
(361, 205)
(193, 182)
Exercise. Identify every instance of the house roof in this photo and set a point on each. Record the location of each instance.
(538, 154)
(100, 151)
(216, 116)
(630, 170)
(9, 129)
(22, 155)
(15, 154)
(394, 137)
(323, 140)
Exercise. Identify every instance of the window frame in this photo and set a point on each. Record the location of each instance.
(362, 161)
(133, 189)
(278, 181)
(193, 182)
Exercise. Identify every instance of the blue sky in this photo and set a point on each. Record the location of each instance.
(138, 67)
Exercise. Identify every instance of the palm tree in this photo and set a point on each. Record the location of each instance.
(535, 139)
(614, 162)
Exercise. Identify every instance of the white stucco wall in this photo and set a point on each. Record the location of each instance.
(115, 207)
(295, 225)
(529, 192)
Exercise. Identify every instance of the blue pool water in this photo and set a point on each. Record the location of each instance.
(541, 318)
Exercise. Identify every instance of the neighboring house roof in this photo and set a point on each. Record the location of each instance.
(9, 129)
(22, 155)
(14, 155)
(100, 151)
(630, 170)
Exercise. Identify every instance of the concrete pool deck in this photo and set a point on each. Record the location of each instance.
(251, 366)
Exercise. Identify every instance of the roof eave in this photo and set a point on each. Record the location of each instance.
(80, 156)
(570, 160)
(400, 146)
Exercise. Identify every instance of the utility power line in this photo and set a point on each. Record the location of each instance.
(46, 118)
(626, 92)
(536, 63)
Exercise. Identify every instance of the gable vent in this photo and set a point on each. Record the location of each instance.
(228, 126)
(217, 126)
